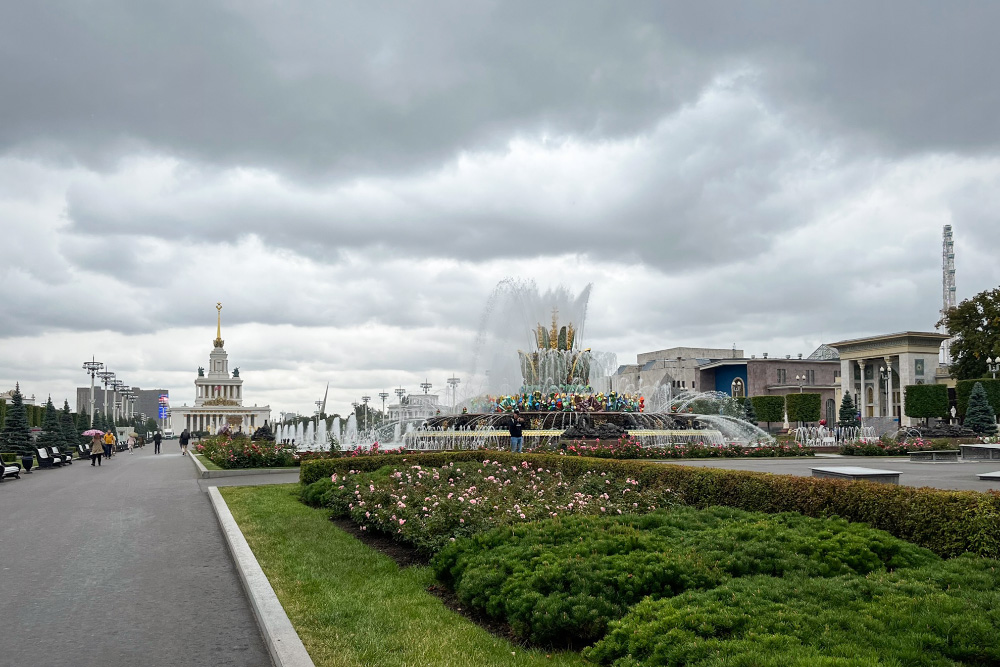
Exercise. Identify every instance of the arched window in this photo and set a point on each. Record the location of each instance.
(738, 389)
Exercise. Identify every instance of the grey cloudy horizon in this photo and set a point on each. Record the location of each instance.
(353, 179)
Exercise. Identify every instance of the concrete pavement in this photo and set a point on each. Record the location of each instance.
(120, 565)
(938, 475)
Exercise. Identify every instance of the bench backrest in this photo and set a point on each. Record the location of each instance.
(43, 453)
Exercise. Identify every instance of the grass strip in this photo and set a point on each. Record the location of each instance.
(354, 606)
(207, 463)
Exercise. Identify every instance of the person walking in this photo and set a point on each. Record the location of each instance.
(184, 439)
(109, 444)
(96, 450)
(516, 429)
(156, 442)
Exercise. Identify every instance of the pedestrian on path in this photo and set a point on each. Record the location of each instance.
(96, 448)
(516, 432)
(109, 444)
(156, 442)
(184, 439)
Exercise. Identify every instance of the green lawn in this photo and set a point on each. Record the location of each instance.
(208, 464)
(354, 606)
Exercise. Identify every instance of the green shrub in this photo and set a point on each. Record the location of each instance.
(942, 614)
(946, 522)
(926, 400)
(769, 408)
(559, 582)
(963, 389)
(803, 407)
(980, 415)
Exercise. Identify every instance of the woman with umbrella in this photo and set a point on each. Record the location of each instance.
(95, 445)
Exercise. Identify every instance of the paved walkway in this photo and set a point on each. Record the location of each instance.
(121, 565)
(938, 475)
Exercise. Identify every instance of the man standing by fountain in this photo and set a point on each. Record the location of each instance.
(517, 432)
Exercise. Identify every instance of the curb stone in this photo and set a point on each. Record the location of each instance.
(283, 643)
(205, 473)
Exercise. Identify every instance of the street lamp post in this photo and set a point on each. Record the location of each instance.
(883, 374)
(107, 377)
(800, 379)
(92, 367)
(993, 365)
(383, 395)
(453, 382)
(116, 388)
(366, 399)
(426, 386)
(400, 392)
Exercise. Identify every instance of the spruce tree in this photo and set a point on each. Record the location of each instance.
(82, 421)
(16, 434)
(979, 416)
(848, 413)
(68, 423)
(52, 432)
(748, 412)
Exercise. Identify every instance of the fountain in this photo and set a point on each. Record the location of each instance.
(555, 393)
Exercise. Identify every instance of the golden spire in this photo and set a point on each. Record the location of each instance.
(218, 328)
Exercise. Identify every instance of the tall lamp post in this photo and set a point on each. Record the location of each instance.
(116, 388)
(453, 382)
(383, 395)
(400, 392)
(107, 377)
(365, 399)
(883, 374)
(92, 367)
(126, 397)
(993, 365)
(800, 379)
(426, 386)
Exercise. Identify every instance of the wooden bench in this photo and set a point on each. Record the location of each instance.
(9, 470)
(981, 452)
(858, 473)
(67, 458)
(46, 459)
(933, 455)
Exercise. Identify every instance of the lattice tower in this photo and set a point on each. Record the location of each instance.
(947, 285)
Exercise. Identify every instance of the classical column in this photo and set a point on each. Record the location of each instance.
(862, 401)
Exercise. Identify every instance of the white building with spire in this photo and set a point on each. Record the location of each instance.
(218, 396)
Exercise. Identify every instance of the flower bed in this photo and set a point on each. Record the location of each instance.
(631, 448)
(238, 451)
(427, 507)
(561, 581)
(891, 447)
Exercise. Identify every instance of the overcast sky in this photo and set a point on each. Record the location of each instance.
(353, 179)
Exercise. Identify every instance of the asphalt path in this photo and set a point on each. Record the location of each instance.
(123, 564)
(955, 476)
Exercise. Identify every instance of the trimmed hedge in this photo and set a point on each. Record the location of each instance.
(963, 389)
(941, 614)
(948, 523)
(769, 408)
(803, 407)
(926, 400)
(561, 581)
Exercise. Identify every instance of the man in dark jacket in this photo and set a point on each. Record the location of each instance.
(516, 432)
(156, 442)
(184, 440)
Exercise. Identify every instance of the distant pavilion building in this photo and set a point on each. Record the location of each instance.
(909, 357)
(219, 397)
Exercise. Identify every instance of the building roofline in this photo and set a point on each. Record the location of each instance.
(892, 336)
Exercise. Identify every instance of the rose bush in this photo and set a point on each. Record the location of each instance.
(238, 451)
(629, 447)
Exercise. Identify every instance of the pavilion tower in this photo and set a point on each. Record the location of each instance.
(947, 288)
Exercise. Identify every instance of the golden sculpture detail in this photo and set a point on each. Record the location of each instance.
(555, 358)
(218, 329)
(220, 401)
(555, 338)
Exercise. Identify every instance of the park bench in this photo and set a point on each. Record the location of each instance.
(858, 473)
(67, 457)
(981, 452)
(46, 459)
(10, 470)
(84, 451)
(933, 455)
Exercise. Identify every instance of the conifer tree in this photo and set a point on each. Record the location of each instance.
(16, 434)
(848, 413)
(979, 416)
(748, 412)
(68, 423)
(52, 432)
(82, 421)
